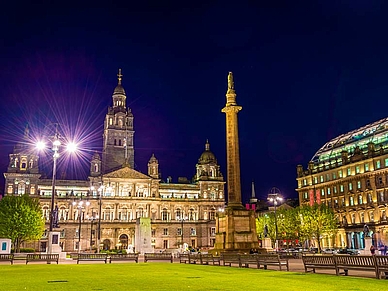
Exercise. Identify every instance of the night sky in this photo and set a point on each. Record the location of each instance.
(305, 72)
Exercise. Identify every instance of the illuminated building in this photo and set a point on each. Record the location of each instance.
(350, 175)
(185, 209)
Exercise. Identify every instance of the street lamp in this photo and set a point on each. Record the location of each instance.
(71, 147)
(101, 192)
(92, 219)
(80, 207)
(274, 197)
(182, 219)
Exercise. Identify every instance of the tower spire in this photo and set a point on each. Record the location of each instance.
(207, 145)
(119, 75)
(26, 132)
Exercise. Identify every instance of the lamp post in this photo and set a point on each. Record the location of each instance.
(92, 219)
(100, 191)
(274, 197)
(80, 207)
(182, 219)
(71, 147)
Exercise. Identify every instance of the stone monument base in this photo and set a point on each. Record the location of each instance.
(236, 231)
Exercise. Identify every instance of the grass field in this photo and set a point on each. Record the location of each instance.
(165, 276)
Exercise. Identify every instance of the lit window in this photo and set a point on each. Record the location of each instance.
(334, 176)
(386, 162)
(322, 192)
(362, 218)
(372, 216)
(315, 180)
(321, 178)
(351, 201)
(378, 164)
(366, 167)
(359, 199)
(193, 231)
(349, 172)
(358, 184)
(341, 188)
(328, 191)
(335, 189)
(350, 186)
(340, 173)
(357, 169)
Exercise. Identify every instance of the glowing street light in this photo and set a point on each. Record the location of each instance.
(275, 198)
(56, 143)
(80, 207)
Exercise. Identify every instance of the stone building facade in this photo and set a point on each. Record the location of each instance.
(350, 175)
(116, 195)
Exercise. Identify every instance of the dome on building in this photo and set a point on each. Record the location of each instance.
(207, 156)
(119, 90)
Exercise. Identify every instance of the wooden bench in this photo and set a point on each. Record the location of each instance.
(7, 258)
(273, 260)
(312, 261)
(194, 258)
(206, 259)
(42, 258)
(381, 266)
(230, 258)
(351, 262)
(247, 259)
(184, 258)
(124, 257)
(158, 257)
(92, 257)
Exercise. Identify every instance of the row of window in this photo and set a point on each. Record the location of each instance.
(361, 217)
(108, 214)
(382, 197)
(349, 172)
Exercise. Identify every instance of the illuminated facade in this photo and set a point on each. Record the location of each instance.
(350, 175)
(182, 210)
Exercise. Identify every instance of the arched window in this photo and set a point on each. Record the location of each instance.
(178, 214)
(140, 212)
(123, 241)
(212, 214)
(96, 167)
(23, 164)
(119, 142)
(31, 163)
(191, 214)
(164, 214)
(115, 142)
(21, 188)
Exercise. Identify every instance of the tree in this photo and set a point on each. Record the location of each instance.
(20, 219)
(316, 221)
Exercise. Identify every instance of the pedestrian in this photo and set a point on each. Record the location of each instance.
(372, 250)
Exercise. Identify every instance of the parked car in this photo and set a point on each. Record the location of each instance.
(348, 252)
(329, 251)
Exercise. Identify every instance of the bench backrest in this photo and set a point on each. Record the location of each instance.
(269, 257)
(318, 259)
(352, 260)
(6, 256)
(158, 255)
(42, 256)
(92, 256)
(381, 260)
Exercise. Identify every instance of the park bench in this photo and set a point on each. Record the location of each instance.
(42, 258)
(124, 257)
(194, 258)
(209, 258)
(230, 258)
(92, 257)
(272, 260)
(312, 261)
(158, 257)
(7, 258)
(381, 266)
(247, 259)
(184, 258)
(351, 262)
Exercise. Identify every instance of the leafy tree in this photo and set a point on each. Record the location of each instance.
(20, 219)
(268, 219)
(288, 224)
(316, 221)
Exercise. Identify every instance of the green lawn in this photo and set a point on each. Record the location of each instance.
(165, 276)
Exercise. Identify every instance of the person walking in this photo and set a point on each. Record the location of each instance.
(372, 250)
